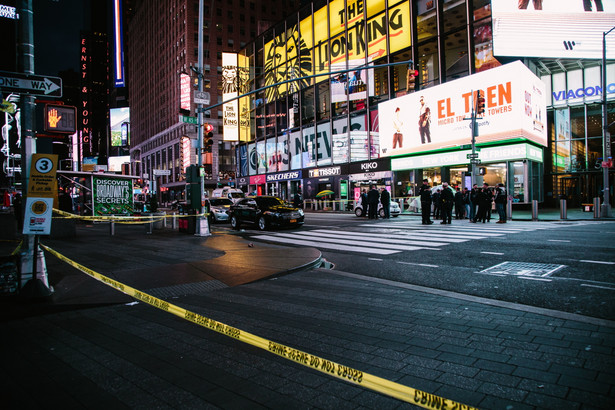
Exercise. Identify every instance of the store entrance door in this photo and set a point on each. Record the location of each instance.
(570, 189)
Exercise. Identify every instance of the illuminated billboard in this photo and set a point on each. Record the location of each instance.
(235, 114)
(303, 50)
(515, 107)
(353, 84)
(119, 119)
(184, 92)
(552, 29)
(118, 44)
(115, 163)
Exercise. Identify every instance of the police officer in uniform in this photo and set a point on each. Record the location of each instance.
(425, 194)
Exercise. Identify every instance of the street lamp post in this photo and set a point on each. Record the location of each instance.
(606, 138)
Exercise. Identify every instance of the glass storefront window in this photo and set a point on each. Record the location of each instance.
(293, 110)
(340, 140)
(494, 174)
(324, 101)
(323, 143)
(307, 106)
(456, 55)
(259, 114)
(577, 122)
(281, 115)
(427, 25)
(399, 72)
(261, 158)
(381, 83)
(309, 147)
(270, 119)
(295, 150)
(359, 144)
(428, 66)
(518, 180)
(454, 15)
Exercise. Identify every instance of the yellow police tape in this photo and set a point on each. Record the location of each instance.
(346, 373)
(121, 219)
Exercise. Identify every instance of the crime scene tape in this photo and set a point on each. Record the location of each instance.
(17, 249)
(330, 368)
(121, 219)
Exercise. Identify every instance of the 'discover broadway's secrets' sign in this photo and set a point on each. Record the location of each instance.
(112, 196)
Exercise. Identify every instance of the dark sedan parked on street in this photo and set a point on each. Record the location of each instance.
(264, 212)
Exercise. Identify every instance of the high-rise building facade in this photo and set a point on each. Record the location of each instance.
(351, 119)
(162, 50)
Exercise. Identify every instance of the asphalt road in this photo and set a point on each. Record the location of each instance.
(567, 266)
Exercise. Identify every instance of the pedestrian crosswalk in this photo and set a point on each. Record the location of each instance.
(394, 237)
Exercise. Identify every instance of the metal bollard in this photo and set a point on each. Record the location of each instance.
(174, 221)
(563, 209)
(597, 210)
(111, 228)
(149, 226)
(164, 220)
(509, 209)
(534, 210)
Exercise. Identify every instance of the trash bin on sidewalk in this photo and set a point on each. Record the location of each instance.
(187, 221)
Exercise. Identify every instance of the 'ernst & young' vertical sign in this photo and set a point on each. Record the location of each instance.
(84, 109)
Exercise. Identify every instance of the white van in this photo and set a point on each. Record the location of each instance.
(233, 194)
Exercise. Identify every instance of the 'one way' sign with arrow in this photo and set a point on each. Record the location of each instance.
(31, 84)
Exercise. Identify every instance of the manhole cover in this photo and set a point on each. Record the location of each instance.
(541, 270)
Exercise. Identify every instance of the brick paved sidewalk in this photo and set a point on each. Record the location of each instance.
(134, 356)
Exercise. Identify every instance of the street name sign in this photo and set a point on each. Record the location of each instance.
(189, 120)
(162, 172)
(31, 84)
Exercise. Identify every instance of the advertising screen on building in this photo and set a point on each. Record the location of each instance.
(119, 119)
(353, 84)
(118, 44)
(552, 29)
(435, 118)
(115, 163)
(236, 113)
(313, 46)
(112, 196)
(184, 92)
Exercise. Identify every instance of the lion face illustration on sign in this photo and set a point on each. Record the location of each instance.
(287, 58)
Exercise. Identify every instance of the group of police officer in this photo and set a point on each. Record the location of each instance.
(477, 202)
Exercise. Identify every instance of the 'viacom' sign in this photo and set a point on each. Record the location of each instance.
(515, 107)
(300, 46)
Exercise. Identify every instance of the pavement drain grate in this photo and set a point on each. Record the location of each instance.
(539, 270)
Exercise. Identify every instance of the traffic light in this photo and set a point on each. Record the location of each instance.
(208, 137)
(480, 103)
(411, 79)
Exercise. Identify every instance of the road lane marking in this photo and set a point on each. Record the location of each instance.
(599, 262)
(596, 286)
(418, 264)
(333, 246)
(492, 253)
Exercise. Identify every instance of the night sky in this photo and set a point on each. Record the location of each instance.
(57, 26)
